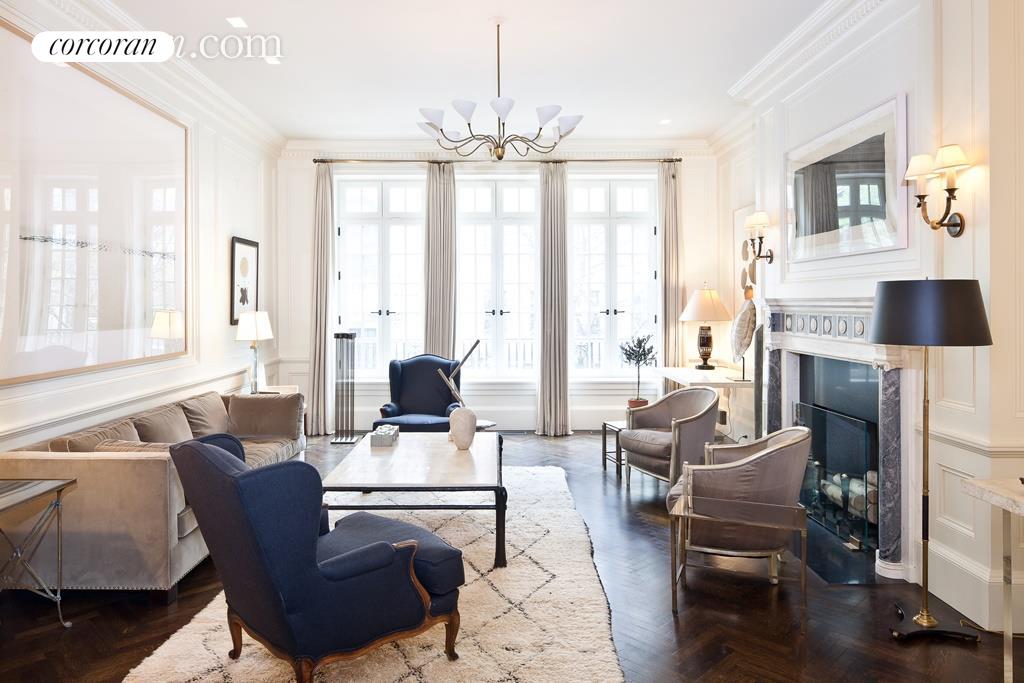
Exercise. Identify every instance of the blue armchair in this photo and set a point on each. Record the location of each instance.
(420, 401)
(308, 595)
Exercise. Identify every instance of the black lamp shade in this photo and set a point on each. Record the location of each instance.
(929, 313)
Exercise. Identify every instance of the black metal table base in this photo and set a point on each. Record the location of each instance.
(499, 507)
(907, 629)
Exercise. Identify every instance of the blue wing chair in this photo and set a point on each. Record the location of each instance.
(420, 400)
(308, 595)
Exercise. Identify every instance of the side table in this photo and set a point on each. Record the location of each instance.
(15, 493)
(614, 455)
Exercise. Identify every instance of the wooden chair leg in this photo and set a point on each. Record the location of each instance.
(681, 541)
(303, 670)
(451, 631)
(235, 626)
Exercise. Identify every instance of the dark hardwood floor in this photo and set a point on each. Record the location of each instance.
(730, 627)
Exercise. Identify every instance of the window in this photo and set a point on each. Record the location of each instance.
(72, 314)
(380, 267)
(613, 261)
(497, 274)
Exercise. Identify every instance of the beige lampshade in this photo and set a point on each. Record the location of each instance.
(706, 306)
(254, 326)
(950, 158)
(757, 223)
(920, 166)
(167, 324)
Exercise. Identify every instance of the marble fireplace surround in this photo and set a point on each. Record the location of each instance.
(838, 328)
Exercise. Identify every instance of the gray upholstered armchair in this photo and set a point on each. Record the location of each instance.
(769, 472)
(661, 436)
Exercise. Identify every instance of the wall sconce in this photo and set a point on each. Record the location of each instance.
(757, 224)
(949, 159)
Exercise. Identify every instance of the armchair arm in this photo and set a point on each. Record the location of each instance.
(359, 561)
(266, 415)
(229, 443)
(390, 410)
(451, 407)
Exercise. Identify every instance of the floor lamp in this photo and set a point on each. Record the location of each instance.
(928, 313)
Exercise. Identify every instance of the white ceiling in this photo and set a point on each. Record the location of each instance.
(362, 69)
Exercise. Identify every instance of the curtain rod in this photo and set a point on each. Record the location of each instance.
(485, 161)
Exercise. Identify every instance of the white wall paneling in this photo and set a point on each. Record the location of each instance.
(233, 156)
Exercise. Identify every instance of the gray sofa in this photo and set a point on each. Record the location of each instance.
(127, 524)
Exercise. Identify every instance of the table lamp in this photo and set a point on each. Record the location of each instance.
(928, 313)
(254, 326)
(704, 306)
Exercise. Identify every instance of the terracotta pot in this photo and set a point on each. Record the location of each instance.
(637, 402)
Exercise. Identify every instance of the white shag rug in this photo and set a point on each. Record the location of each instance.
(544, 617)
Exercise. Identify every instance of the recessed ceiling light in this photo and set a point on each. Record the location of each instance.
(237, 22)
(271, 60)
(664, 122)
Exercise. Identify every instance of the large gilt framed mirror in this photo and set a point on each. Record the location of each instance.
(94, 203)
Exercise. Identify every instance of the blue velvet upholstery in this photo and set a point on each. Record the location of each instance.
(420, 400)
(228, 442)
(304, 593)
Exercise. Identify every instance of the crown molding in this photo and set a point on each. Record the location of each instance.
(174, 86)
(735, 133)
(828, 25)
(381, 149)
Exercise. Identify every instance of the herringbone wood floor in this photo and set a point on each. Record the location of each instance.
(730, 627)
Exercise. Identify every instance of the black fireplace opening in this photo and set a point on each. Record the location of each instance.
(839, 403)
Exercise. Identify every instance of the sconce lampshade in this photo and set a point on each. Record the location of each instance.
(167, 324)
(920, 166)
(254, 326)
(950, 158)
(706, 306)
(757, 223)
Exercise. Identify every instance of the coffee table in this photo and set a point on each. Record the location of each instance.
(426, 461)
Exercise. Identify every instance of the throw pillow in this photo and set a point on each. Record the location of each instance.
(206, 414)
(163, 425)
(85, 441)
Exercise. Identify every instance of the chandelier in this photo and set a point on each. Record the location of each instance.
(501, 141)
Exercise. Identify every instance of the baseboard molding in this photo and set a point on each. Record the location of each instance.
(970, 587)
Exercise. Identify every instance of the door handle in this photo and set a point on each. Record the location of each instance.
(490, 312)
(605, 311)
(503, 312)
(390, 312)
(616, 311)
(377, 312)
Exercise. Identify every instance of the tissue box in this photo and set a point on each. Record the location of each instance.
(384, 436)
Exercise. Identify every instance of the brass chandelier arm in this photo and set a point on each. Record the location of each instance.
(531, 143)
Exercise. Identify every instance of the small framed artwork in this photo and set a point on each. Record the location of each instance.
(245, 261)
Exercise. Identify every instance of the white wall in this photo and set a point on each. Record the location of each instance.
(511, 403)
(233, 165)
(849, 57)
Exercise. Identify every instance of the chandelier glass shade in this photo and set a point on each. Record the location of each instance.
(497, 144)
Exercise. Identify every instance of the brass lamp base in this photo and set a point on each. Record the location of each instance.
(924, 625)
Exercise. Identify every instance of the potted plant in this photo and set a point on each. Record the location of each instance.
(638, 351)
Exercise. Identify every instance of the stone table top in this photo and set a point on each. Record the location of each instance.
(1007, 494)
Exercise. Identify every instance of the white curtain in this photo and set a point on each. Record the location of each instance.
(321, 336)
(439, 261)
(673, 350)
(553, 392)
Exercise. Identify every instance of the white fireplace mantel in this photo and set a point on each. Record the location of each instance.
(833, 328)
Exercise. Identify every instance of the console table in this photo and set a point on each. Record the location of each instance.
(1008, 495)
(15, 493)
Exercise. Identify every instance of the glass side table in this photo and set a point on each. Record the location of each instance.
(615, 454)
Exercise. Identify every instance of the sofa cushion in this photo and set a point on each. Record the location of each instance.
(278, 415)
(85, 441)
(654, 464)
(206, 414)
(163, 425)
(38, 446)
(652, 442)
(438, 566)
(415, 423)
(124, 446)
(260, 452)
